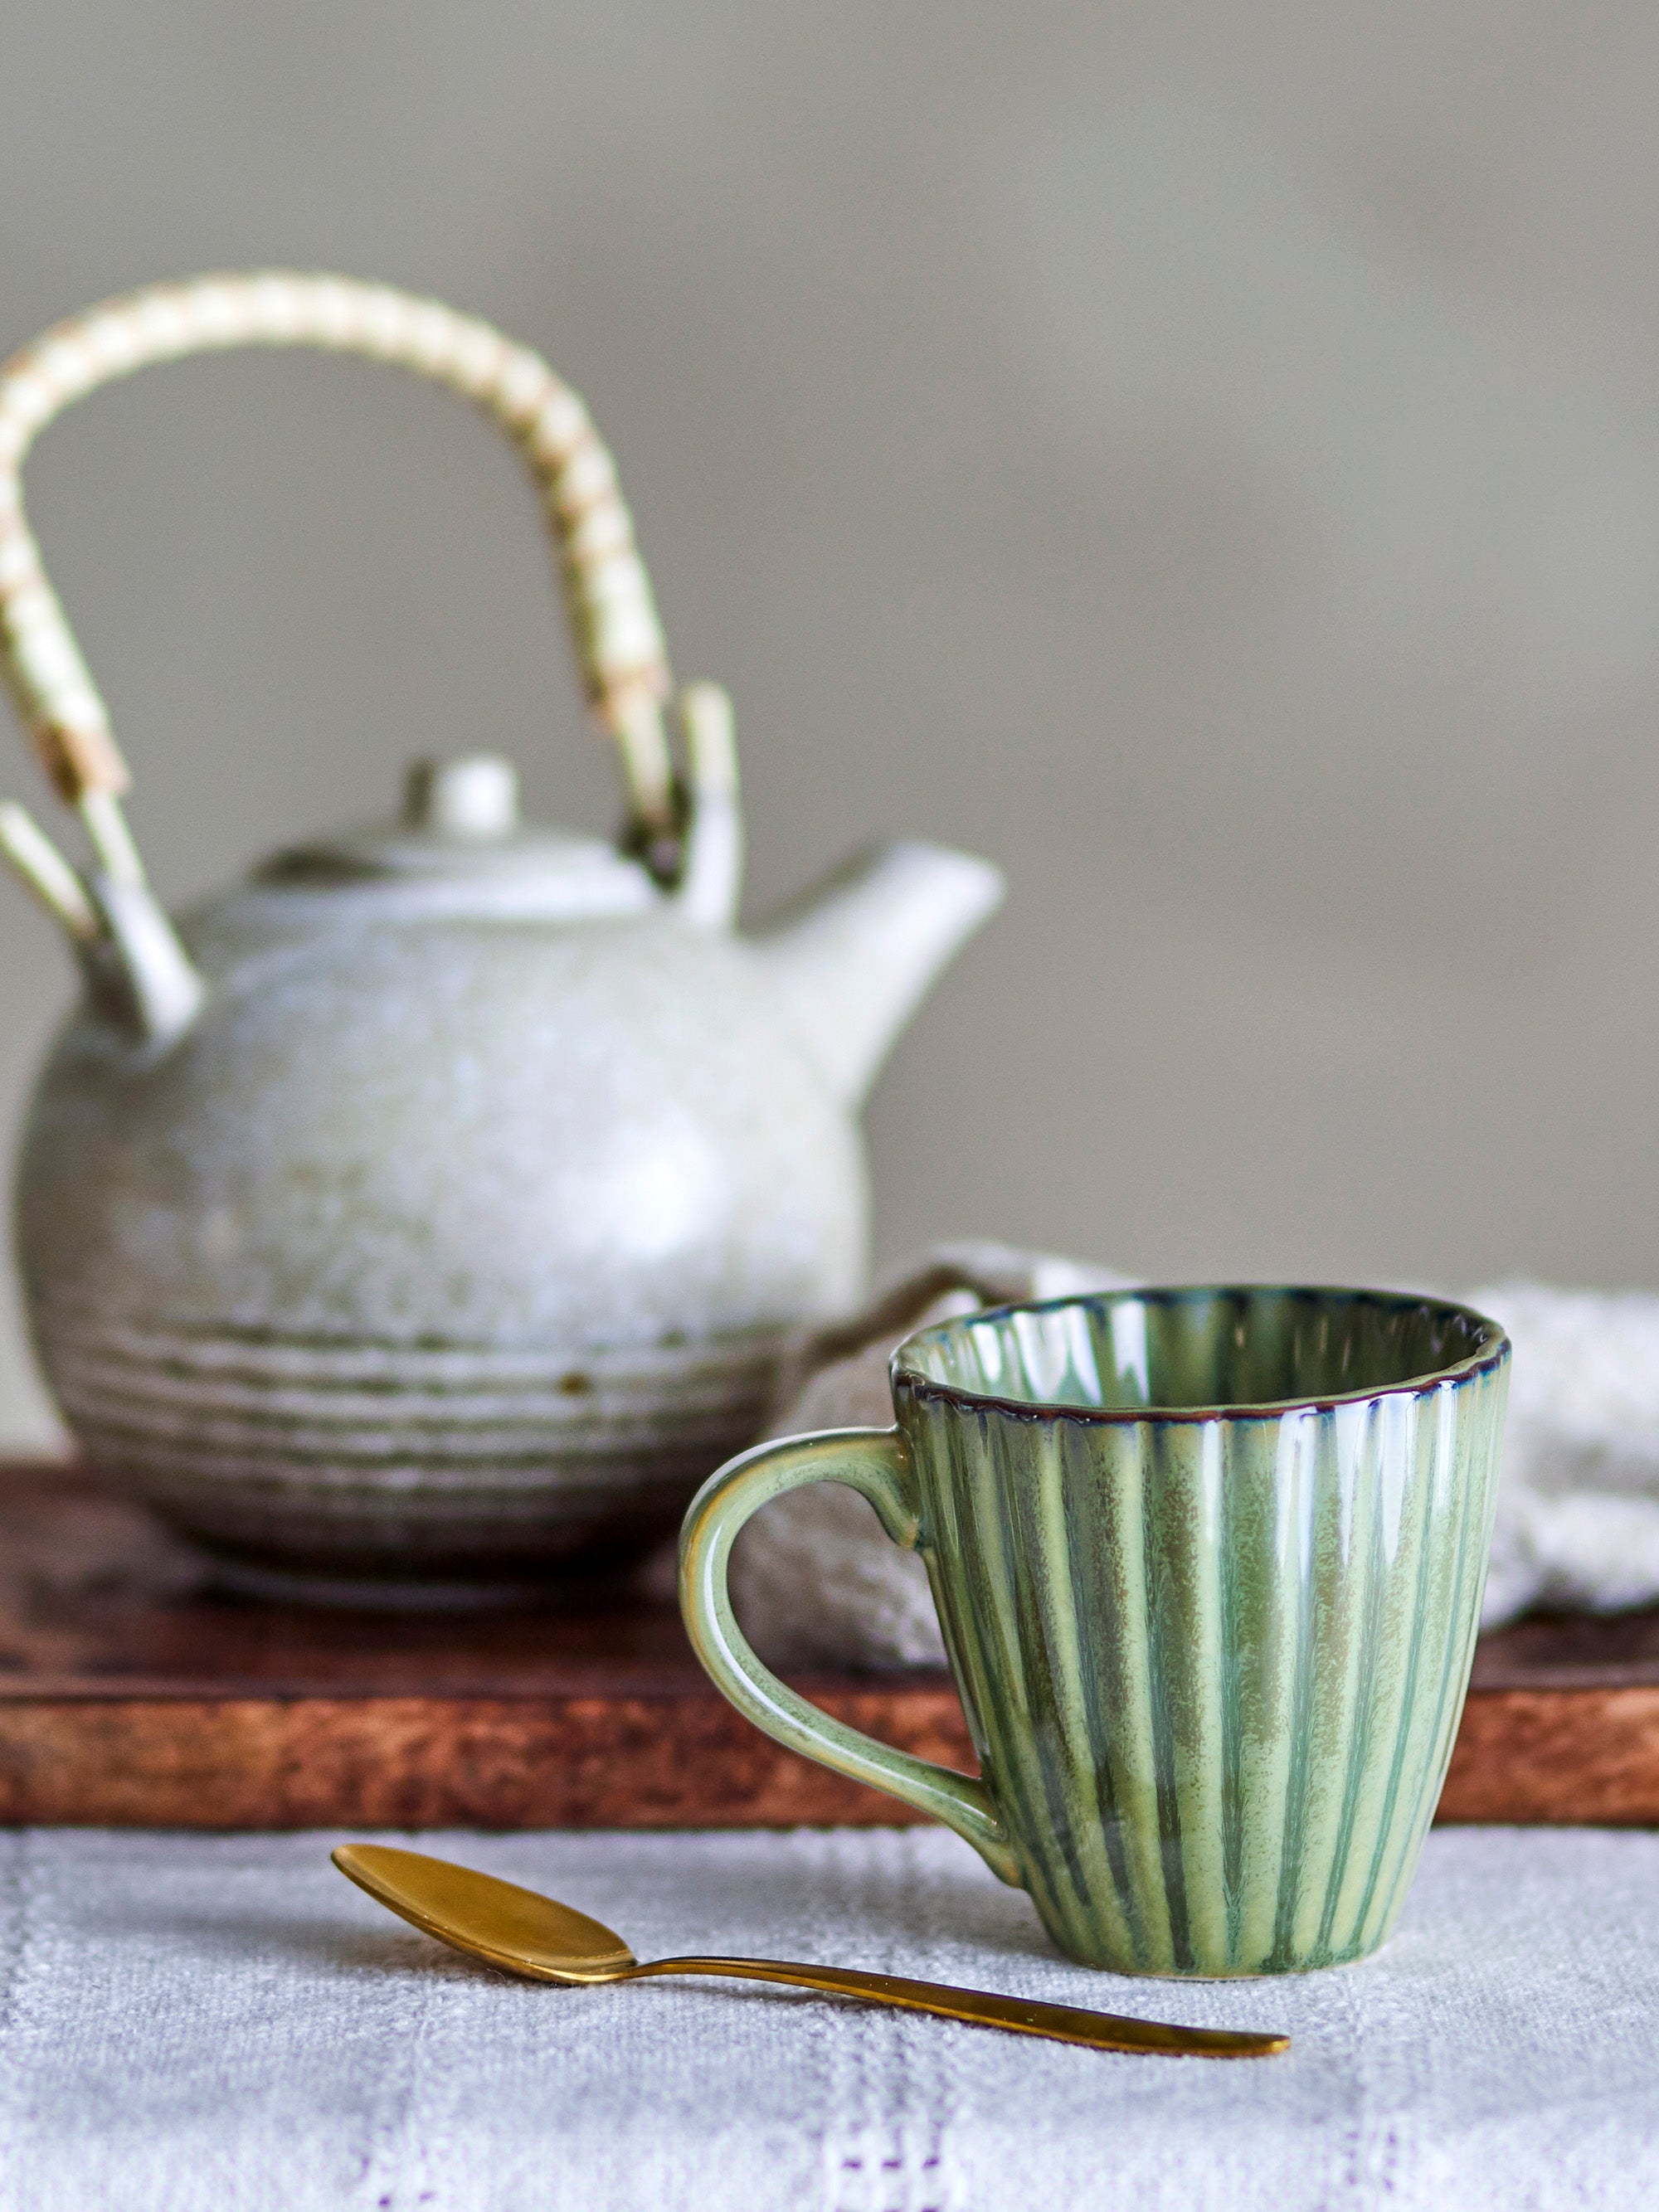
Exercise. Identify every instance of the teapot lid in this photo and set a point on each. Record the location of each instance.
(460, 845)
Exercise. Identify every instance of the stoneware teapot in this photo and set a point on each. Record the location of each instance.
(433, 1206)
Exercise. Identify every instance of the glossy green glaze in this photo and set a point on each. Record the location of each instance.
(1208, 1565)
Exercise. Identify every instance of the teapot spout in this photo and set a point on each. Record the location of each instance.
(854, 958)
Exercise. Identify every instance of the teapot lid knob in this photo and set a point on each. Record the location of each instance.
(474, 797)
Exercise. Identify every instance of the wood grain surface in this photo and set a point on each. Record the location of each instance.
(134, 1693)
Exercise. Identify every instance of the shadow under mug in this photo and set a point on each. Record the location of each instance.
(1208, 1565)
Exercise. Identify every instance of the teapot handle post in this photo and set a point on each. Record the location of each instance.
(619, 639)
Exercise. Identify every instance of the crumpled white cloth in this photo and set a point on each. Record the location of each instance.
(1578, 1504)
(815, 1582)
(222, 2024)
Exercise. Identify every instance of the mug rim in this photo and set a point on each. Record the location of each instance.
(1490, 1357)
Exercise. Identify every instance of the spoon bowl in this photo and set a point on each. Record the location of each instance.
(517, 1930)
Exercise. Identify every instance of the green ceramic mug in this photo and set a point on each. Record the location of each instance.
(1208, 1565)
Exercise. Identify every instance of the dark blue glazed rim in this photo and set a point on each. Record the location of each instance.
(1488, 1353)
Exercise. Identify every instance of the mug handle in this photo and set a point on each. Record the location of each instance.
(875, 1463)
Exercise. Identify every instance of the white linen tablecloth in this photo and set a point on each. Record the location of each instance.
(215, 2024)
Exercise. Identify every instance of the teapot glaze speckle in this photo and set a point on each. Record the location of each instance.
(432, 1207)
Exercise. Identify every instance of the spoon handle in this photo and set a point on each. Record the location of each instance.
(1101, 2030)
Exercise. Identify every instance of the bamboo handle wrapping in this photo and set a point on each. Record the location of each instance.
(619, 639)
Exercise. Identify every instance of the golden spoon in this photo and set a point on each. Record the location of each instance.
(526, 1934)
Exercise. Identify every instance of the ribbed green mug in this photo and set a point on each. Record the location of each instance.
(1208, 1565)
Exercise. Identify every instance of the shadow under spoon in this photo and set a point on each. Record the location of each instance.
(524, 1932)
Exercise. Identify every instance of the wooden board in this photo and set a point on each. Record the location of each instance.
(132, 1692)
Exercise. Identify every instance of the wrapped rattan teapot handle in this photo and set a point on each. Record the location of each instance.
(618, 639)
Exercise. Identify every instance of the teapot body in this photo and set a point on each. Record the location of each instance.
(435, 1206)
(440, 1246)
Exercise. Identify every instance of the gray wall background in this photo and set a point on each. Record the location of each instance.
(1205, 457)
